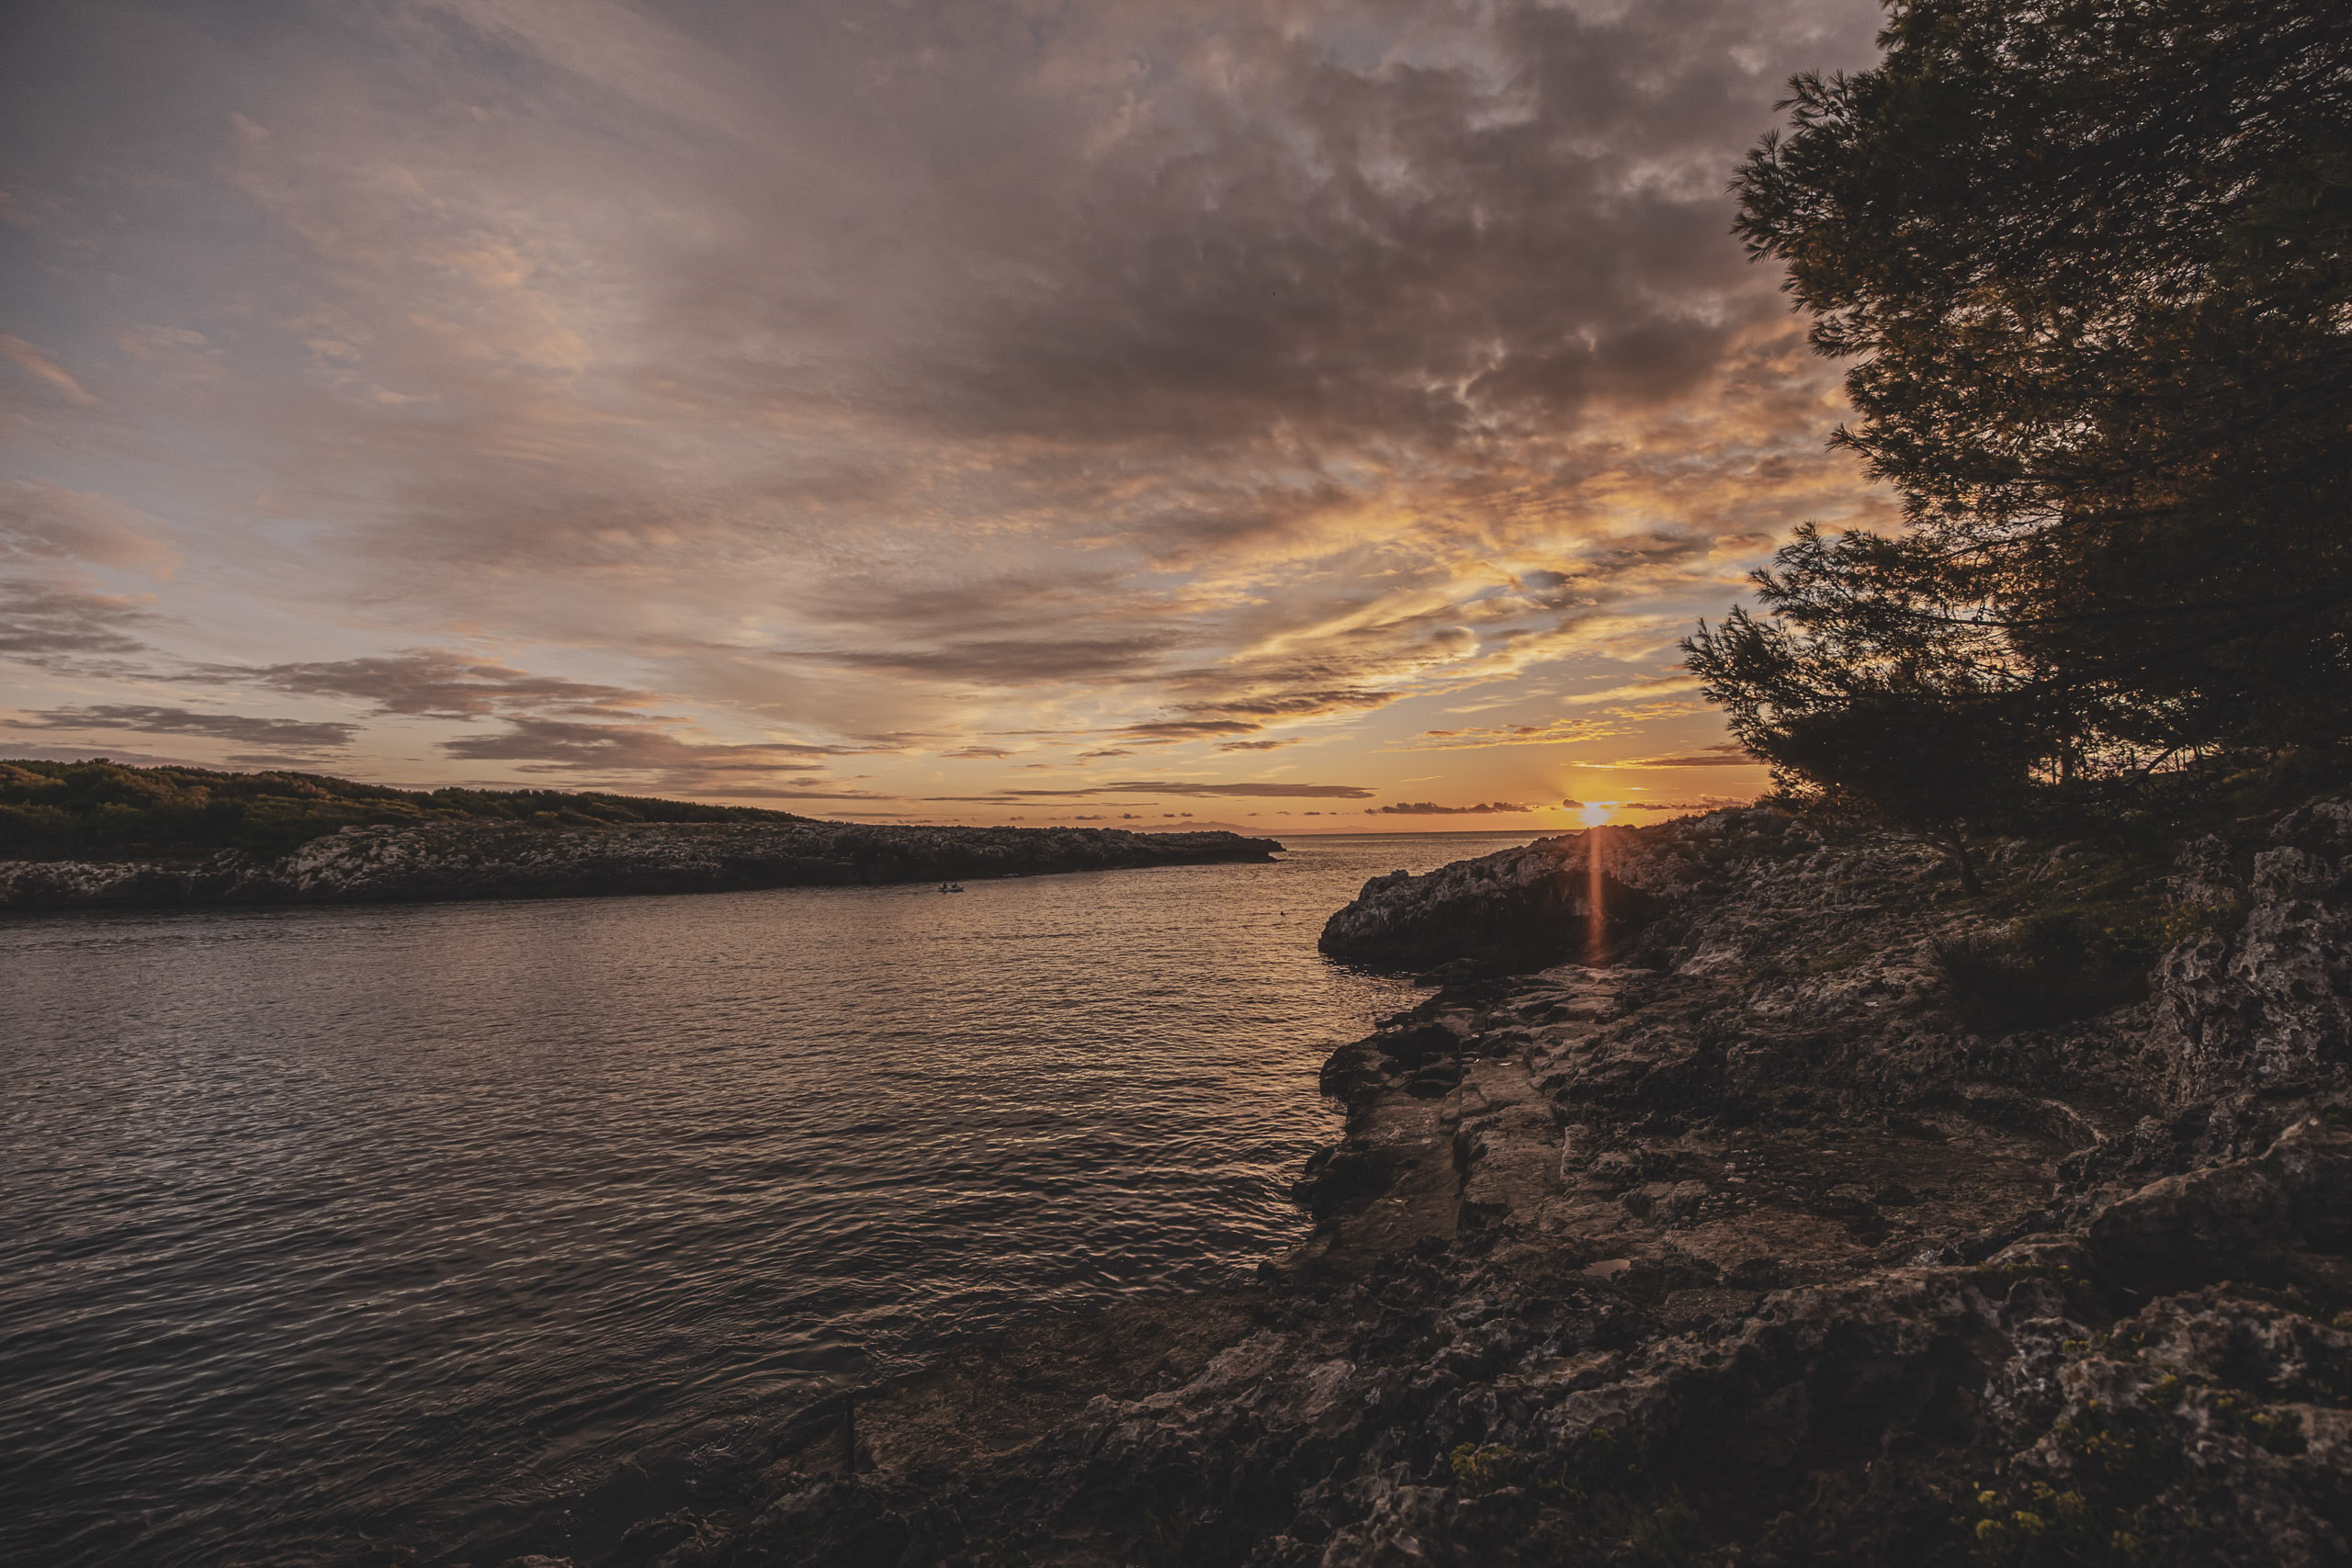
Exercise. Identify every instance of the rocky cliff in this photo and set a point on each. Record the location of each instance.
(1579, 896)
(1836, 1219)
(373, 864)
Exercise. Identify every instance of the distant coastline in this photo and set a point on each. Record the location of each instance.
(99, 836)
(360, 865)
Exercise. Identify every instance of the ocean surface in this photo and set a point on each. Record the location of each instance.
(468, 1227)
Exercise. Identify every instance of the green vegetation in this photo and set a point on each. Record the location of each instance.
(104, 811)
(2093, 262)
(2041, 1525)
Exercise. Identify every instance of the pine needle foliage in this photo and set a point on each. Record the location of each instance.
(2092, 260)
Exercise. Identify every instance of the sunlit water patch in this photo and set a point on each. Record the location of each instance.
(415, 1222)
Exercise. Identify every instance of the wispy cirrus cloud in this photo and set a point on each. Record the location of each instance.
(45, 372)
(290, 736)
(767, 770)
(43, 522)
(431, 682)
(1727, 754)
(56, 623)
(1430, 808)
(1181, 789)
(1552, 732)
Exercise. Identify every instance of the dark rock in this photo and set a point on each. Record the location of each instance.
(1750, 1254)
(2267, 1007)
(1514, 910)
(2247, 1219)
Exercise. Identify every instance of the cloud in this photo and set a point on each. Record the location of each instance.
(303, 736)
(40, 520)
(1728, 754)
(1188, 790)
(540, 745)
(1170, 377)
(1008, 660)
(737, 790)
(1552, 732)
(16, 351)
(1191, 729)
(1655, 687)
(1429, 808)
(51, 623)
(431, 682)
(175, 352)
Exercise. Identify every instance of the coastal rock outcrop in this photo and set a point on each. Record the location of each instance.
(1576, 896)
(2264, 1008)
(398, 864)
(1744, 1248)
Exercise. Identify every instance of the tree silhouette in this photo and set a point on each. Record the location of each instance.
(2093, 259)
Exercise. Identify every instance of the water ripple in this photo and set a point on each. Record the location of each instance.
(416, 1222)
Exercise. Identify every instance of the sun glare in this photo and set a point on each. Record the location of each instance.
(1596, 813)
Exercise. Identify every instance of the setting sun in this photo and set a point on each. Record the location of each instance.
(1597, 813)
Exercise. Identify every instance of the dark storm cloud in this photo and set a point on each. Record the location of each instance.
(146, 720)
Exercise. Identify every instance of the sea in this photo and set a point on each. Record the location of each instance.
(466, 1228)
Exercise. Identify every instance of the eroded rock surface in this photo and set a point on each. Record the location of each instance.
(383, 865)
(1581, 894)
(2267, 1008)
(1738, 1249)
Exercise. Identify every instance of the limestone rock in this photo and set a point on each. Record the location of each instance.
(1578, 894)
(2267, 1008)
(1738, 1248)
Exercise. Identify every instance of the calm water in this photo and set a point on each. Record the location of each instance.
(418, 1222)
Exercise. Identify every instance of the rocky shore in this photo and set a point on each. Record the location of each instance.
(371, 864)
(1777, 1223)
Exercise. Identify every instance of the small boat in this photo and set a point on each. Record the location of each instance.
(951, 887)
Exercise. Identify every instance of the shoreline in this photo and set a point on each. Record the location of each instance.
(1735, 1248)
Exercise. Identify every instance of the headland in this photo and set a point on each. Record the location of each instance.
(95, 836)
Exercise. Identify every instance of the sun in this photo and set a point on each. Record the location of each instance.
(1596, 813)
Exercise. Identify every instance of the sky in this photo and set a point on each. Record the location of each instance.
(1299, 416)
